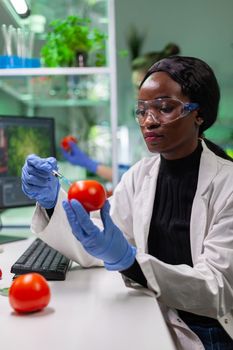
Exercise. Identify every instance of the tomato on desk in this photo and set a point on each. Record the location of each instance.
(29, 293)
(90, 193)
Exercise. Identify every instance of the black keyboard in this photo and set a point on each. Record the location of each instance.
(40, 257)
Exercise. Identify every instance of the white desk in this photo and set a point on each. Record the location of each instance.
(91, 310)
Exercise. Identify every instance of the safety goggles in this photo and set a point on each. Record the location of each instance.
(163, 110)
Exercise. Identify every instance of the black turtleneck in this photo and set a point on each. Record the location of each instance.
(169, 235)
(169, 238)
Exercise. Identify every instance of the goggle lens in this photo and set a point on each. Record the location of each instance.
(163, 109)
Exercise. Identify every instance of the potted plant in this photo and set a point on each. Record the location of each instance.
(70, 43)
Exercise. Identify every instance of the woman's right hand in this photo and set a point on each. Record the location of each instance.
(38, 182)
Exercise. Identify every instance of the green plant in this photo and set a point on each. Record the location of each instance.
(70, 38)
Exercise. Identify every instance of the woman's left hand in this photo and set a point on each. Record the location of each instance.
(108, 244)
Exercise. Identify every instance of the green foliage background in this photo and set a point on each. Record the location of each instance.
(72, 36)
(24, 141)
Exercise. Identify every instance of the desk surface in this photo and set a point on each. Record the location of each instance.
(91, 310)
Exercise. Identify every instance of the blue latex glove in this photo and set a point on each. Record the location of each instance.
(77, 157)
(108, 245)
(38, 182)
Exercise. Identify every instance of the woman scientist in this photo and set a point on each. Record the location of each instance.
(170, 227)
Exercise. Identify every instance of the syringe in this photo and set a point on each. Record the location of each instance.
(62, 177)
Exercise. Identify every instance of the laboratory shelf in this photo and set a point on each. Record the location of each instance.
(7, 72)
(68, 103)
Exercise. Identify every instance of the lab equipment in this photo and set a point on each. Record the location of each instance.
(38, 181)
(7, 33)
(41, 258)
(61, 177)
(108, 245)
(18, 46)
(20, 136)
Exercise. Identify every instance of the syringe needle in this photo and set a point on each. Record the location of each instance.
(60, 176)
(56, 173)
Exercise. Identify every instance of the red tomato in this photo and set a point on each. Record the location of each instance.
(29, 292)
(90, 193)
(0, 273)
(65, 142)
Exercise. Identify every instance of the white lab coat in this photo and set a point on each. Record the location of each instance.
(205, 289)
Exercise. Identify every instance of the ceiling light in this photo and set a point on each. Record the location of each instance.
(21, 7)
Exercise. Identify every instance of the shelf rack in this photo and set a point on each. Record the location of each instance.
(110, 70)
(13, 72)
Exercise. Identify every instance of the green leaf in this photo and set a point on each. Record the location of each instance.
(71, 36)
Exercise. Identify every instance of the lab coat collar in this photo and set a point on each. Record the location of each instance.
(148, 190)
(207, 172)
